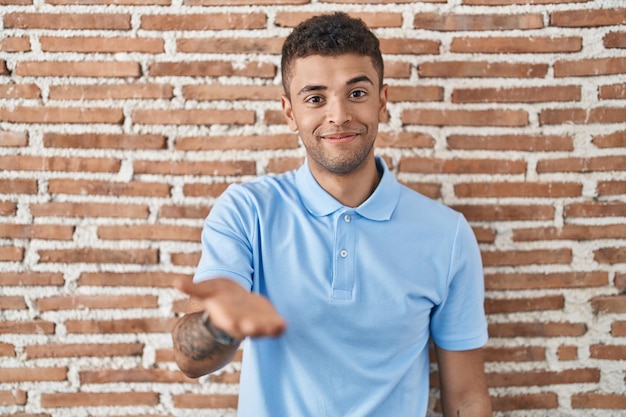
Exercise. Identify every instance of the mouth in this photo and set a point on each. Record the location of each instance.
(340, 137)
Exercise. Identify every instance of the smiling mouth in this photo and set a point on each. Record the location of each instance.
(340, 137)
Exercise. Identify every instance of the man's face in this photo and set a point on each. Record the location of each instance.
(335, 104)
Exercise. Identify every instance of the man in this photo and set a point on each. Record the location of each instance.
(336, 275)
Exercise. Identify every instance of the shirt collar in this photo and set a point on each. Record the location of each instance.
(379, 206)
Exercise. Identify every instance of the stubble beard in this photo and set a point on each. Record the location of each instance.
(341, 163)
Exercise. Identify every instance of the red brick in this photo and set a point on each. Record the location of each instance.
(155, 279)
(620, 280)
(26, 327)
(571, 232)
(7, 208)
(615, 40)
(13, 139)
(592, 164)
(609, 304)
(116, 189)
(158, 232)
(513, 305)
(515, 354)
(415, 94)
(517, 189)
(558, 280)
(126, 91)
(590, 67)
(609, 352)
(285, 141)
(608, 209)
(226, 378)
(432, 190)
(517, 45)
(374, 20)
(283, 164)
(537, 329)
(92, 255)
(212, 69)
(12, 303)
(102, 210)
(613, 91)
(110, 376)
(205, 401)
(195, 167)
(542, 378)
(527, 257)
(618, 329)
(37, 231)
(49, 164)
(205, 21)
(193, 117)
(461, 166)
(11, 254)
(516, 95)
(15, 44)
(588, 17)
(427, 117)
(96, 44)
(104, 141)
(529, 143)
(33, 374)
(14, 396)
(90, 302)
(398, 46)
(567, 353)
(110, 2)
(597, 401)
(481, 69)
(611, 187)
(77, 69)
(404, 139)
(61, 115)
(610, 255)
(99, 399)
(232, 92)
(68, 21)
(239, 45)
(18, 186)
(476, 22)
(26, 91)
(122, 326)
(30, 278)
(548, 400)
(183, 212)
(242, 2)
(3, 67)
(6, 349)
(78, 350)
(500, 212)
(185, 259)
(613, 140)
(204, 190)
(397, 69)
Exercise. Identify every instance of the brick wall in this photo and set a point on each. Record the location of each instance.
(121, 121)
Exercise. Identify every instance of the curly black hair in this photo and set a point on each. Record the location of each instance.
(330, 35)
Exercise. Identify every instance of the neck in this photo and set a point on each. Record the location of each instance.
(350, 189)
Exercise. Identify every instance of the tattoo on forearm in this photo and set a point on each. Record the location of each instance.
(192, 340)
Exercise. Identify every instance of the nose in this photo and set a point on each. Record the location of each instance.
(338, 112)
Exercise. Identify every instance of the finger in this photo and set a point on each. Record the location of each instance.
(186, 285)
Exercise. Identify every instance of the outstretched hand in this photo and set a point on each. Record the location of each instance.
(233, 309)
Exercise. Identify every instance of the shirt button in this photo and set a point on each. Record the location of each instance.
(347, 218)
(343, 253)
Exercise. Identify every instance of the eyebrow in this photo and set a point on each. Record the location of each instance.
(355, 80)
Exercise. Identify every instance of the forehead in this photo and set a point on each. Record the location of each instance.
(330, 71)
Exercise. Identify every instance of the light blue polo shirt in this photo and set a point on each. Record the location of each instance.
(362, 290)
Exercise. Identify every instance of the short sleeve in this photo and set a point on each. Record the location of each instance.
(458, 322)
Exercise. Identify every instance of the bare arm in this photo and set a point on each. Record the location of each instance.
(463, 384)
(233, 310)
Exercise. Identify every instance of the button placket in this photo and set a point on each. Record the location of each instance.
(343, 279)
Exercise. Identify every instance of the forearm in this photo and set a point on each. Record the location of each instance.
(195, 350)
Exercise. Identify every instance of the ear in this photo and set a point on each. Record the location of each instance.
(382, 108)
(288, 112)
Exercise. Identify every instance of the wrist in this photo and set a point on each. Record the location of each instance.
(218, 335)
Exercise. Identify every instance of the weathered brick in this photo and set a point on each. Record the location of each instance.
(50, 114)
(582, 116)
(33, 374)
(517, 45)
(13, 397)
(154, 279)
(13, 139)
(205, 401)
(529, 143)
(15, 43)
(404, 139)
(110, 188)
(90, 302)
(185, 258)
(481, 69)
(232, 92)
(77, 69)
(99, 399)
(193, 117)
(7, 208)
(26, 327)
(615, 40)
(78, 350)
(501, 212)
(428, 117)
(542, 378)
(397, 69)
(415, 94)
(103, 141)
(18, 186)
(461, 166)
(476, 22)
(610, 255)
(592, 164)
(150, 232)
(96, 44)
(613, 140)
(212, 69)
(283, 164)
(518, 189)
(30, 278)
(514, 354)
(11, 253)
(599, 401)
(571, 232)
(527, 257)
(397, 46)
(12, 302)
(545, 401)
(6, 349)
(204, 190)
(239, 45)
(590, 67)
(592, 209)
(139, 325)
(48, 164)
(516, 95)
(37, 231)
(567, 353)
(609, 352)
(101, 210)
(373, 20)
(286, 141)
(92, 255)
(205, 21)
(26, 91)
(242, 167)
(127, 91)
(588, 17)
(611, 187)
(609, 304)
(110, 376)
(537, 329)
(559, 280)
(3, 67)
(183, 212)
(110, 2)
(513, 305)
(67, 21)
(618, 329)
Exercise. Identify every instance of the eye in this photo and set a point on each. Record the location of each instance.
(358, 94)
(314, 99)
